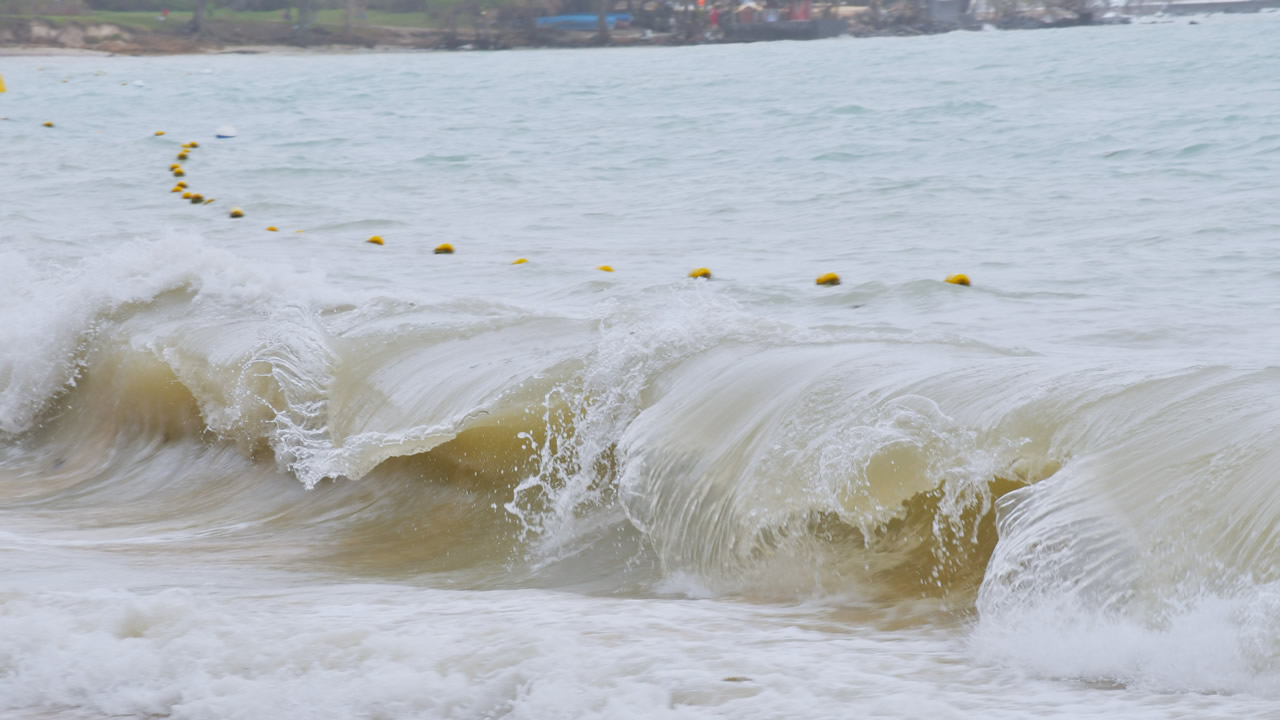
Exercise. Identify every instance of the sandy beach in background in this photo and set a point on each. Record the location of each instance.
(237, 50)
(51, 51)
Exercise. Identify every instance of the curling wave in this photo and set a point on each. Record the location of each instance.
(655, 441)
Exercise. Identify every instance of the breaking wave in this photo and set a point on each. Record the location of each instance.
(657, 439)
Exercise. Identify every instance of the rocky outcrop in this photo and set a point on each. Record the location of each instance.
(86, 36)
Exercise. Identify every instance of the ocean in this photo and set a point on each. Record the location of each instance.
(248, 473)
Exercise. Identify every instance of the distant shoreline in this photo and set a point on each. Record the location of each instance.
(55, 51)
(59, 51)
(102, 36)
(107, 34)
(146, 34)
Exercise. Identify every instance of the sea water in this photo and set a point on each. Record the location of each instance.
(292, 474)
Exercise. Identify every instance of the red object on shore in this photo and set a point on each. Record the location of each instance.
(801, 10)
(715, 16)
(165, 13)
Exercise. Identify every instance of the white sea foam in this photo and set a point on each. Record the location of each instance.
(378, 651)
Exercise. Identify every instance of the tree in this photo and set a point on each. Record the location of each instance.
(197, 17)
(306, 16)
(352, 10)
(602, 22)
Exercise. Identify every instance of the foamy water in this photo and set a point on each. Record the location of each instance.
(249, 474)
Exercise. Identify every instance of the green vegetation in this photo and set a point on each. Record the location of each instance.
(140, 20)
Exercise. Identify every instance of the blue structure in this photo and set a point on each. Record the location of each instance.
(587, 23)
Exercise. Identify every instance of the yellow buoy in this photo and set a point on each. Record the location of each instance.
(444, 249)
(828, 279)
(159, 133)
(178, 172)
(197, 198)
(186, 196)
(703, 273)
(519, 261)
(299, 231)
(272, 228)
(174, 166)
(182, 156)
(193, 144)
(182, 184)
(209, 201)
(605, 268)
(176, 188)
(237, 213)
(376, 240)
(48, 124)
(1, 83)
(958, 279)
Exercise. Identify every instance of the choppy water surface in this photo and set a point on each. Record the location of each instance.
(247, 474)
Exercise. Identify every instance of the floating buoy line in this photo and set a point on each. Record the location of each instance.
(826, 279)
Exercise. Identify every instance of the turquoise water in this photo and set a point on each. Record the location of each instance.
(248, 473)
